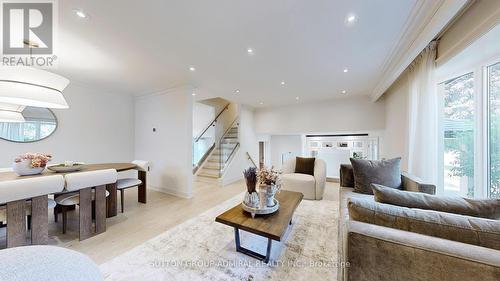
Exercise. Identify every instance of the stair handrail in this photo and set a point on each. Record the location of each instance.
(251, 159)
(203, 158)
(212, 123)
(229, 128)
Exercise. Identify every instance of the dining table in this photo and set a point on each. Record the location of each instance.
(111, 201)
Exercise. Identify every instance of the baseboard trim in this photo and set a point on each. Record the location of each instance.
(173, 192)
(333, 180)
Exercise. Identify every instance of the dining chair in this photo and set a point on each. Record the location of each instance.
(86, 189)
(125, 183)
(28, 196)
(3, 219)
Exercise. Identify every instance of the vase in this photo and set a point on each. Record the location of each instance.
(251, 199)
(24, 168)
(250, 185)
(269, 191)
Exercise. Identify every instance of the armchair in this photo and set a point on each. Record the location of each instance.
(312, 187)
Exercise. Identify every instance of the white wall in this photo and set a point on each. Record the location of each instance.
(283, 144)
(98, 127)
(248, 143)
(202, 115)
(336, 115)
(169, 149)
(396, 126)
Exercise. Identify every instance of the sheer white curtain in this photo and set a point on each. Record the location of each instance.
(423, 116)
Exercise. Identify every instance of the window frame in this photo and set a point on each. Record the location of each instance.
(481, 124)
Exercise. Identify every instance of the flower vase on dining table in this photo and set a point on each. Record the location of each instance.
(23, 168)
(30, 163)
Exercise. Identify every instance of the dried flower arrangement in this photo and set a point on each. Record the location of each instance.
(38, 160)
(269, 176)
(251, 179)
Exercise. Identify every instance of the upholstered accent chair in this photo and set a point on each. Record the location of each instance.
(312, 186)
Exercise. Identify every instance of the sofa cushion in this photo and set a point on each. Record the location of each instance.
(306, 184)
(486, 208)
(304, 165)
(384, 172)
(465, 229)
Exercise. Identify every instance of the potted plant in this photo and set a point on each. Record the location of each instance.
(251, 196)
(30, 163)
(269, 183)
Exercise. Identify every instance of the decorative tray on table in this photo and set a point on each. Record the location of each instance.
(62, 168)
(261, 211)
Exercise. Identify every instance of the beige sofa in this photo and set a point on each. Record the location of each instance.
(312, 187)
(376, 252)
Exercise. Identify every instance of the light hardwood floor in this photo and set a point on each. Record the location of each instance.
(140, 222)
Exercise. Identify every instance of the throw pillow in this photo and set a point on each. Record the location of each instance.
(384, 172)
(304, 165)
(483, 208)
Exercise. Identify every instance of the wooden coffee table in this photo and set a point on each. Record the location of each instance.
(272, 226)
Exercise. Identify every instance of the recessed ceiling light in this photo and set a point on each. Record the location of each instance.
(250, 51)
(261, 103)
(346, 70)
(297, 98)
(192, 68)
(80, 13)
(193, 94)
(351, 19)
(283, 83)
(236, 91)
(344, 91)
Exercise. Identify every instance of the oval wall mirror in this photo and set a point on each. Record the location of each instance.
(39, 124)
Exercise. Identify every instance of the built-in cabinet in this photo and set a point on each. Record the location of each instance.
(336, 150)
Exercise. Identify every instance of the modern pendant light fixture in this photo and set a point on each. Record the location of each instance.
(11, 113)
(32, 87)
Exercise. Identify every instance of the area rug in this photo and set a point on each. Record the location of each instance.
(201, 249)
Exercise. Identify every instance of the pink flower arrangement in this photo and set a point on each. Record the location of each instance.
(269, 176)
(38, 160)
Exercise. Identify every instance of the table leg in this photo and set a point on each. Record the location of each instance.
(250, 252)
(141, 190)
(100, 209)
(39, 221)
(111, 200)
(16, 220)
(85, 213)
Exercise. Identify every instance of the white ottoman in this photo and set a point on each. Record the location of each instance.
(46, 263)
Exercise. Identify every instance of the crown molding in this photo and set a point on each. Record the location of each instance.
(187, 87)
(425, 22)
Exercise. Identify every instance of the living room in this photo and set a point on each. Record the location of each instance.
(235, 140)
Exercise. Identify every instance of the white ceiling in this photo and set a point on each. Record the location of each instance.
(141, 47)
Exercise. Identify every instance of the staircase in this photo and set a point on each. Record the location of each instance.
(221, 155)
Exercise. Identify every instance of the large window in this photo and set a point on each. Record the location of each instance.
(470, 130)
(458, 135)
(493, 103)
